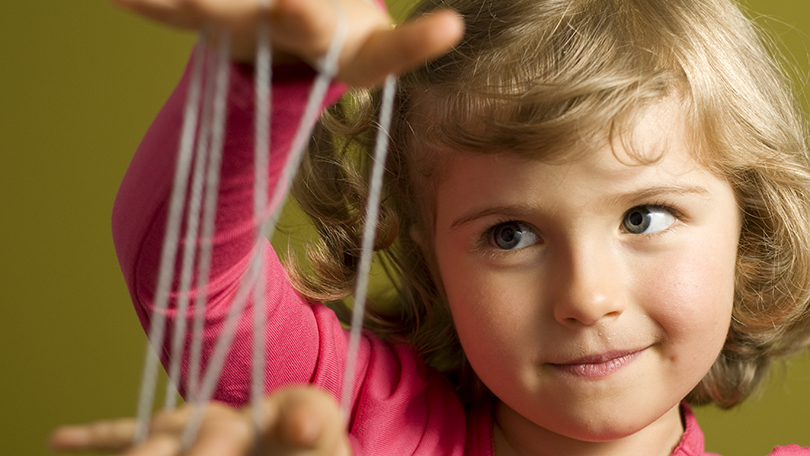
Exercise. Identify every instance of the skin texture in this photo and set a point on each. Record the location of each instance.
(579, 284)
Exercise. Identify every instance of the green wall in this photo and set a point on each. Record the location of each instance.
(79, 83)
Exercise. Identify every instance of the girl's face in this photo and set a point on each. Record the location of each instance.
(590, 296)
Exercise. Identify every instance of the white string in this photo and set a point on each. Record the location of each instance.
(327, 69)
(367, 250)
(217, 361)
(169, 249)
(262, 160)
(209, 213)
(190, 239)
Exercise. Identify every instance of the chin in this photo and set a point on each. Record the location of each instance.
(613, 423)
(599, 430)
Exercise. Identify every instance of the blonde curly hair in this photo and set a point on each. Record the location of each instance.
(534, 77)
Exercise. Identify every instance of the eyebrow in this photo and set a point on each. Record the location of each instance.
(653, 192)
(519, 210)
(516, 210)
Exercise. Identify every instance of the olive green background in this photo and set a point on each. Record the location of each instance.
(79, 83)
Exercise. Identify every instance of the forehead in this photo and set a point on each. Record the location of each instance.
(642, 137)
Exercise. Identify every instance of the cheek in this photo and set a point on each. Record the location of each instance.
(488, 311)
(695, 296)
(471, 297)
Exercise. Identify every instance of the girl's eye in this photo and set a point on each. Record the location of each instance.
(512, 236)
(647, 219)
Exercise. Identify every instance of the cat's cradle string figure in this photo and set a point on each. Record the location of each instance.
(190, 188)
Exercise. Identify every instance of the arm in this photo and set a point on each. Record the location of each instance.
(139, 218)
(300, 28)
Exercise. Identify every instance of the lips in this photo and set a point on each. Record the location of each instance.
(600, 365)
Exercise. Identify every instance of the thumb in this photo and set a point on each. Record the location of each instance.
(405, 47)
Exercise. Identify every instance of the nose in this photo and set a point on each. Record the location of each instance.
(586, 285)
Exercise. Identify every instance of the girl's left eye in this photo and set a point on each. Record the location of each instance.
(647, 219)
(512, 236)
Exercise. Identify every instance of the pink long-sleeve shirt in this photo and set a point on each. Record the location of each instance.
(399, 406)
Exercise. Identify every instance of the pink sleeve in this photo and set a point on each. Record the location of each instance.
(139, 217)
(399, 406)
(791, 450)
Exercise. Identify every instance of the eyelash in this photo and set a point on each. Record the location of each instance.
(658, 204)
(484, 240)
(661, 204)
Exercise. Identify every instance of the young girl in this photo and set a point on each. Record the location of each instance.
(596, 214)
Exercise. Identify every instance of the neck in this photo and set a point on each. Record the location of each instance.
(514, 435)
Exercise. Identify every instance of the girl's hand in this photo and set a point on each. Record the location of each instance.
(303, 29)
(297, 421)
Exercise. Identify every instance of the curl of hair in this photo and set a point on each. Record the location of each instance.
(539, 78)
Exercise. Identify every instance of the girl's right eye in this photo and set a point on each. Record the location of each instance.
(512, 236)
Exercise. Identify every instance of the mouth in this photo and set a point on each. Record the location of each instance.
(600, 365)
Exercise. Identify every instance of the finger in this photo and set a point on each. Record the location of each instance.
(223, 432)
(309, 423)
(307, 28)
(303, 426)
(303, 27)
(300, 28)
(157, 445)
(193, 14)
(405, 47)
(108, 435)
(342, 447)
(171, 421)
